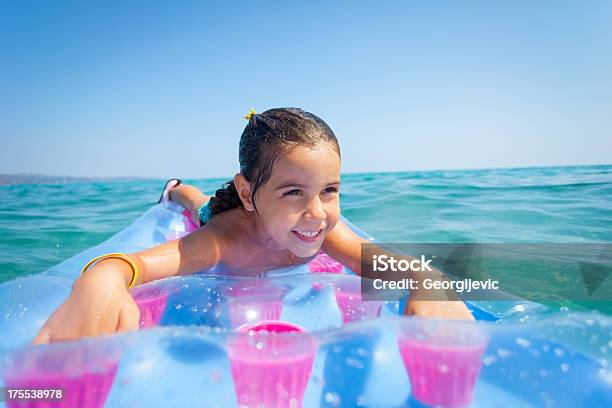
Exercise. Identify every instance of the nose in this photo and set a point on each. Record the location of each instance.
(315, 210)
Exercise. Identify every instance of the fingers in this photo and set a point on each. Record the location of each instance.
(459, 311)
(43, 337)
(453, 310)
(129, 318)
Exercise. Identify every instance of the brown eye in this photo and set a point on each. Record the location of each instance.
(294, 192)
(330, 190)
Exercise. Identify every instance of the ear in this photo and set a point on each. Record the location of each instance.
(243, 187)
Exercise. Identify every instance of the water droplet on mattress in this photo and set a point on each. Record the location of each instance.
(549, 402)
(605, 375)
(522, 342)
(488, 360)
(333, 399)
(353, 362)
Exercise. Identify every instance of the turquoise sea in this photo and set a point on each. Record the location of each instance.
(44, 220)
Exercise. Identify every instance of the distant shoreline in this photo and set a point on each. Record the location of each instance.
(19, 179)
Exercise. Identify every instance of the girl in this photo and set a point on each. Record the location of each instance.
(278, 211)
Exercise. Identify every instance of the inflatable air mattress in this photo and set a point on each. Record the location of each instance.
(297, 337)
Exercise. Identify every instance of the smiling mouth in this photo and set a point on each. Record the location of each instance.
(308, 236)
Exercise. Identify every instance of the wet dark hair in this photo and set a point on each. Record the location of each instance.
(265, 140)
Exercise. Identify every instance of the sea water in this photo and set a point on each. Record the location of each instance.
(44, 221)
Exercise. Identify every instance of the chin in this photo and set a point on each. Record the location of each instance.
(306, 252)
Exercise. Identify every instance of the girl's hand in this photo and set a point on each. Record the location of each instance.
(98, 304)
(452, 309)
(421, 304)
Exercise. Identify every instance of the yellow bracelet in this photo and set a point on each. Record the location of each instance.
(115, 255)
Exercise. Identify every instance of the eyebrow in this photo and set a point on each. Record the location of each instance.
(296, 184)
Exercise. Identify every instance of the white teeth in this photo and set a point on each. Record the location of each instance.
(309, 234)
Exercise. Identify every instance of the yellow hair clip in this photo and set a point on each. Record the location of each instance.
(249, 115)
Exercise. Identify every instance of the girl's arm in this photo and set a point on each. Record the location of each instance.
(344, 246)
(100, 302)
(190, 198)
(195, 252)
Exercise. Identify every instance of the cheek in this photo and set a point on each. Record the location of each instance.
(334, 208)
(279, 221)
(333, 214)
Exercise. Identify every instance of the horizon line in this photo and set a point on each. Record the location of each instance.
(5, 177)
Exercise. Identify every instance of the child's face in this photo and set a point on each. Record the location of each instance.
(300, 205)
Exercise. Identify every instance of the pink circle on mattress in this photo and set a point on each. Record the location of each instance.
(323, 263)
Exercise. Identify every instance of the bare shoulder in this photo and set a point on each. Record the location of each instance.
(200, 250)
(228, 223)
(226, 229)
(205, 244)
(205, 235)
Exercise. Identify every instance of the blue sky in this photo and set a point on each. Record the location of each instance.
(159, 89)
